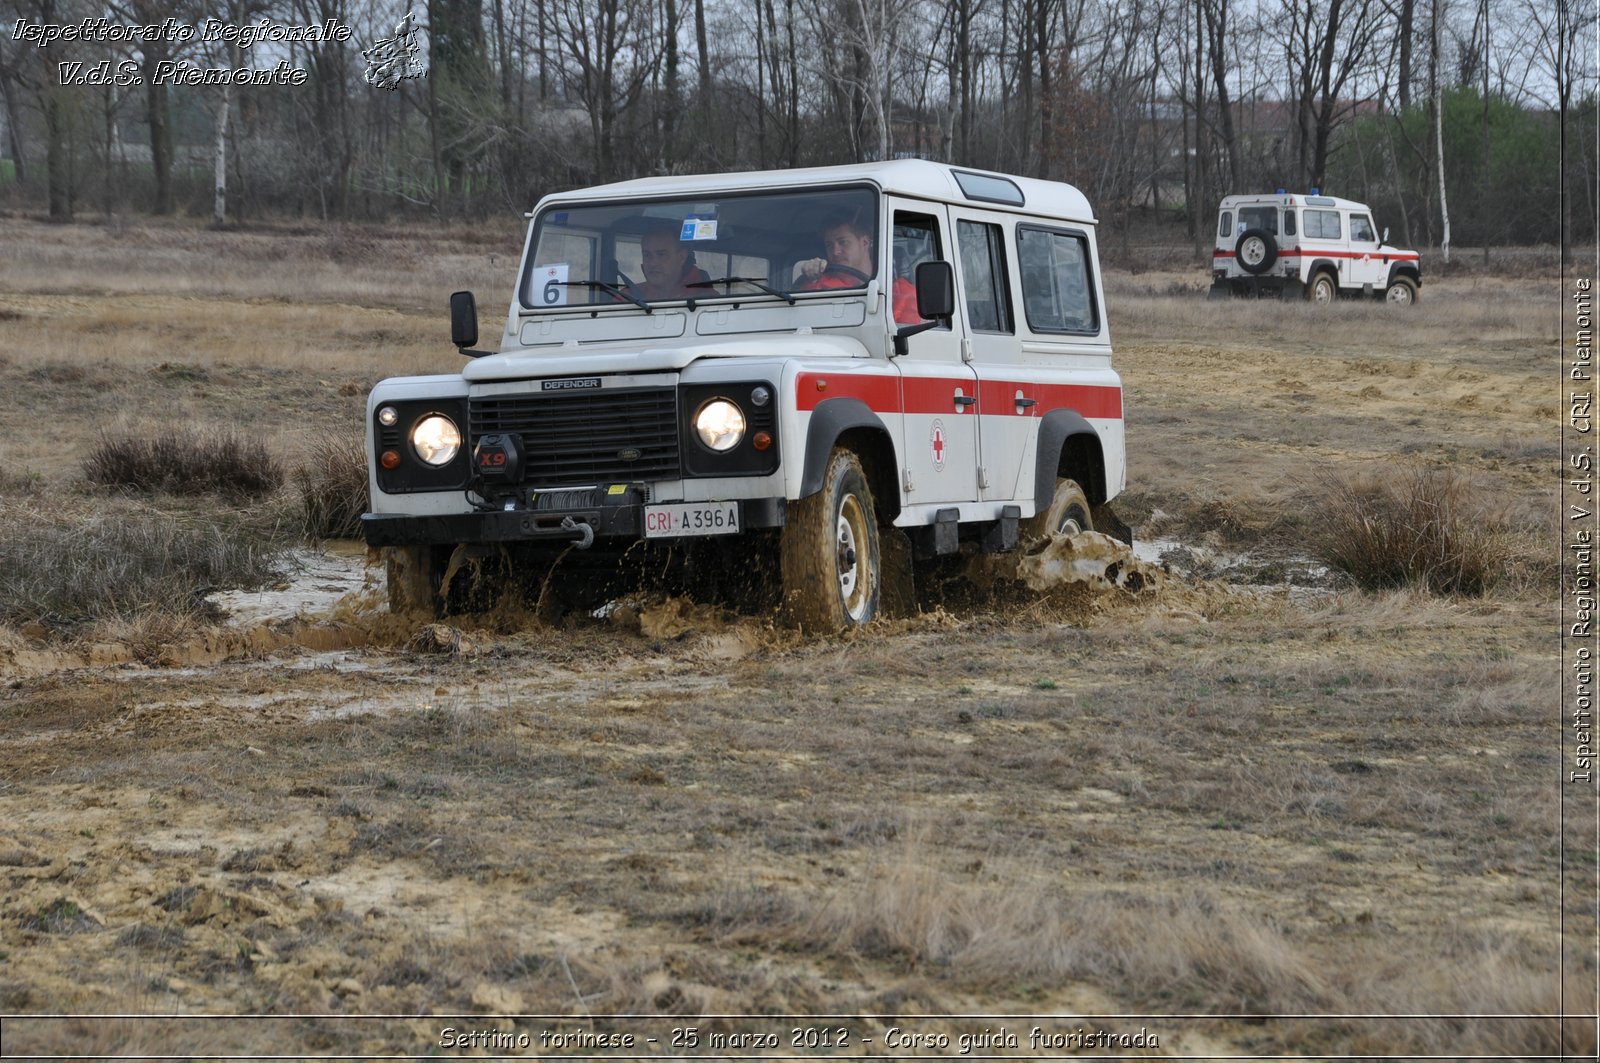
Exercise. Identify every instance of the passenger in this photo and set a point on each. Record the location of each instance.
(847, 242)
(668, 267)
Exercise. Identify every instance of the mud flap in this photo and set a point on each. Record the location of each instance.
(1108, 522)
(897, 598)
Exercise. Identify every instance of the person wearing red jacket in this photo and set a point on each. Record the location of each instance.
(668, 268)
(847, 243)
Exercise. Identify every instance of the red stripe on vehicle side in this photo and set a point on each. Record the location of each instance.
(936, 395)
(1294, 252)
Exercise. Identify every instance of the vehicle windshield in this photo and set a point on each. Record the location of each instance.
(638, 253)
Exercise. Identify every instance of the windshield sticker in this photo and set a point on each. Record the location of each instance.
(550, 284)
(698, 228)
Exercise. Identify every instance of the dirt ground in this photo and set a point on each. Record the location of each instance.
(1249, 811)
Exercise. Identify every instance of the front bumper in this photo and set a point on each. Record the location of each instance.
(576, 516)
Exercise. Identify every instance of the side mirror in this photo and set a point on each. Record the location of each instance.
(1385, 234)
(936, 301)
(936, 290)
(463, 319)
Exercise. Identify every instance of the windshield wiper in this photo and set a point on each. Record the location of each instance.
(759, 282)
(610, 289)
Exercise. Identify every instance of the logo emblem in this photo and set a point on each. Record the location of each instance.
(394, 59)
(628, 454)
(576, 383)
(936, 445)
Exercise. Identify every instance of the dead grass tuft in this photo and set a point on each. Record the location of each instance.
(63, 570)
(1426, 528)
(182, 461)
(332, 483)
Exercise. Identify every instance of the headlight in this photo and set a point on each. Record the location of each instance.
(720, 424)
(436, 439)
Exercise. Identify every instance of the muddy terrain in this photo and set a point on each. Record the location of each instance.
(1245, 809)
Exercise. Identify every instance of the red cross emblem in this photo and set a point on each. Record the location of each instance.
(936, 441)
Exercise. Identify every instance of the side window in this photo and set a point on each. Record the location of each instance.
(915, 240)
(983, 271)
(1057, 291)
(1323, 224)
(1288, 223)
(1361, 228)
(1225, 226)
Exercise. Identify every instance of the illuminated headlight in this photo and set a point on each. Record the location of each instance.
(388, 416)
(720, 424)
(436, 439)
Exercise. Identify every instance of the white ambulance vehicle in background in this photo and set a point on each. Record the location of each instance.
(1316, 246)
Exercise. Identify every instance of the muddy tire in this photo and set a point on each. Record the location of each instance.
(412, 576)
(1402, 291)
(832, 568)
(1323, 289)
(1068, 512)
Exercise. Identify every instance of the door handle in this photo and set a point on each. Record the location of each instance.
(1025, 403)
(966, 400)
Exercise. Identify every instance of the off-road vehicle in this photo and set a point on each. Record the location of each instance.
(770, 416)
(1321, 247)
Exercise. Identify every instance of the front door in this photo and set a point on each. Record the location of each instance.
(939, 390)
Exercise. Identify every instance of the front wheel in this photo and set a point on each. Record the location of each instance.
(1402, 291)
(832, 568)
(412, 575)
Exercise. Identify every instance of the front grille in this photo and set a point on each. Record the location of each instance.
(580, 438)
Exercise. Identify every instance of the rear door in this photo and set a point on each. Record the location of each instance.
(987, 267)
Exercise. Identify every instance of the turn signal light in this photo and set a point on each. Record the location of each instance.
(389, 459)
(761, 441)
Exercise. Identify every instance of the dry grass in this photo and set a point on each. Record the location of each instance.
(1423, 528)
(64, 569)
(184, 461)
(333, 486)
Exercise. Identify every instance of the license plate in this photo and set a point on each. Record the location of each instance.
(691, 518)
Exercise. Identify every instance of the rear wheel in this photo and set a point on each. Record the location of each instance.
(1067, 514)
(832, 571)
(1323, 289)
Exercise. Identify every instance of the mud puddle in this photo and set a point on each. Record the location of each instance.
(319, 581)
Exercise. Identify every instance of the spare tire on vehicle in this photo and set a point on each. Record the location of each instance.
(1256, 251)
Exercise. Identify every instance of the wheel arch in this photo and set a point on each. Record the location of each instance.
(1068, 446)
(851, 422)
(1405, 269)
(1322, 265)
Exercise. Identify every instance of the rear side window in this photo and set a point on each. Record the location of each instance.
(983, 269)
(1259, 218)
(1322, 224)
(1225, 227)
(1288, 223)
(1057, 290)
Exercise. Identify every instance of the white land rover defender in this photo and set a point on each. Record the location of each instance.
(1318, 246)
(762, 412)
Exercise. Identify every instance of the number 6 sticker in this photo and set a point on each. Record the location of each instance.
(552, 281)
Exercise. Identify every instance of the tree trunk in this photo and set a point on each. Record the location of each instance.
(155, 115)
(13, 120)
(1438, 132)
(219, 160)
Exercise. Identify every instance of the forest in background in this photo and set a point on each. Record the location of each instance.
(1472, 121)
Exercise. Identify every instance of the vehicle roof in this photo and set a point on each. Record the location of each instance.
(910, 177)
(1288, 199)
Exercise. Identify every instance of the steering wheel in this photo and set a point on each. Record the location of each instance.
(849, 271)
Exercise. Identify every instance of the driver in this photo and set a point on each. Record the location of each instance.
(847, 242)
